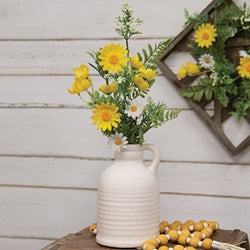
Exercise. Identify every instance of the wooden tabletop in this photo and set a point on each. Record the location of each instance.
(84, 240)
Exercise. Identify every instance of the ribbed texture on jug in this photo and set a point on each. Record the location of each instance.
(128, 209)
(127, 219)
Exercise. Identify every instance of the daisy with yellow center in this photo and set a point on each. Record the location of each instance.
(206, 61)
(109, 88)
(244, 67)
(134, 109)
(205, 35)
(118, 142)
(113, 57)
(106, 116)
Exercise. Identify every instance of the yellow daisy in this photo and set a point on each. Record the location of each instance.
(140, 82)
(106, 116)
(113, 57)
(109, 88)
(182, 73)
(147, 73)
(192, 69)
(82, 71)
(205, 34)
(136, 63)
(244, 67)
(80, 85)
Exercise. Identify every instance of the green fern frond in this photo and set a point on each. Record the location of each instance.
(152, 54)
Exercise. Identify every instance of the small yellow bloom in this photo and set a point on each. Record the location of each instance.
(82, 71)
(205, 34)
(192, 69)
(140, 82)
(244, 67)
(182, 73)
(106, 116)
(113, 57)
(136, 63)
(147, 73)
(80, 85)
(109, 88)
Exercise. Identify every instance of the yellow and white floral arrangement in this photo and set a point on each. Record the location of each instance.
(221, 78)
(118, 106)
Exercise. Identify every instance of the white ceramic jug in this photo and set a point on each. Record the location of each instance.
(128, 209)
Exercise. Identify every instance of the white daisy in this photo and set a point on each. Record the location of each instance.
(243, 53)
(206, 61)
(118, 142)
(134, 109)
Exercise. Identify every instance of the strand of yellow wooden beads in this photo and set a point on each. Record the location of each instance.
(195, 234)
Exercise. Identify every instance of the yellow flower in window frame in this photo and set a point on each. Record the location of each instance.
(136, 63)
(82, 71)
(80, 85)
(182, 73)
(244, 67)
(106, 116)
(205, 35)
(113, 57)
(147, 73)
(192, 69)
(109, 88)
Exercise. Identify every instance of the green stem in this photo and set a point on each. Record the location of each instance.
(82, 98)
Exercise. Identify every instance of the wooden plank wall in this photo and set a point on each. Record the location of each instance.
(51, 156)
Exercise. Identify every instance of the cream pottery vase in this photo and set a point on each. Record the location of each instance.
(128, 209)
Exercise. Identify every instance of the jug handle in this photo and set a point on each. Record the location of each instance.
(156, 160)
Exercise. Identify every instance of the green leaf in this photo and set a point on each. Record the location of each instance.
(208, 94)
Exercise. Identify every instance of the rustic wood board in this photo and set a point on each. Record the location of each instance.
(85, 240)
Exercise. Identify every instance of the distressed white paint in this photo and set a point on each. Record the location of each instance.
(51, 156)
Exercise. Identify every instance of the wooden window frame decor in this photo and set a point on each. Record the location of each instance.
(221, 114)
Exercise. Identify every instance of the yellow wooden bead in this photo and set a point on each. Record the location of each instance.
(163, 239)
(173, 234)
(213, 224)
(203, 221)
(210, 229)
(197, 234)
(164, 223)
(173, 226)
(185, 226)
(163, 248)
(207, 243)
(198, 226)
(186, 232)
(145, 243)
(190, 248)
(92, 228)
(177, 223)
(162, 228)
(182, 239)
(194, 242)
(154, 241)
(178, 247)
(191, 222)
(206, 232)
(149, 247)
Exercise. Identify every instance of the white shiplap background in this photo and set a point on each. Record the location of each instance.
(51, 156)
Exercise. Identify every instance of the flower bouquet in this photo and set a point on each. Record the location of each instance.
(119, 107)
